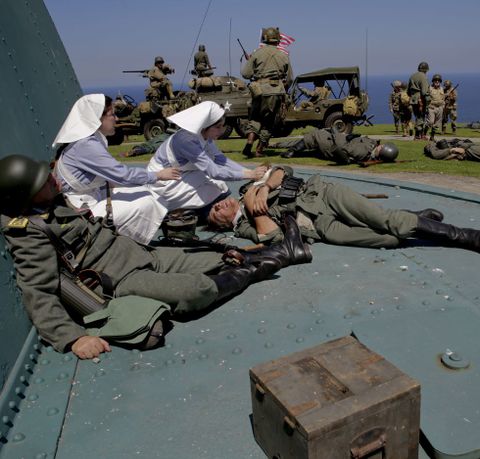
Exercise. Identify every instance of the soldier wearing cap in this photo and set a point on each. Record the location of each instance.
(419, 98)
(270, 72)
(436, 106)
(160, 85)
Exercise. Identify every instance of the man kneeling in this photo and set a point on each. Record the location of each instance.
(36, 221)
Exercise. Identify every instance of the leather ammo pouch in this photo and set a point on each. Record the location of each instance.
(78, 289)
(290, 188)
(180, 225)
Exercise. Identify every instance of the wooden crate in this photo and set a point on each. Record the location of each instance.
(338, 400)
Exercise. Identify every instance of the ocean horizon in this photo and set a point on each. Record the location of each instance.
(377, 86)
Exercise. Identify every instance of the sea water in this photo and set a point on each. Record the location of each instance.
(378, 88)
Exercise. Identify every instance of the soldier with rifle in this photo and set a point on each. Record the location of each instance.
(270, 72)
(450, 109)
(339, 147)
(419, 99)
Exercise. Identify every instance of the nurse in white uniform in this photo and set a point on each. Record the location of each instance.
(203, 166)
(86, 170)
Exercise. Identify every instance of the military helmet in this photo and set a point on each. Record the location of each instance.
(201, 47)
(447, 83)
(271, 35)
(442, 144)
(21, 178)
(388, 152)
(159, 60)
(423, 67)
(437, 77)
(397, 83)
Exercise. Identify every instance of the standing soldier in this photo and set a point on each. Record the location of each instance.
(160, 85)
(405, 111)
(201, 63)
(450, 110)
(394, 104)
(270, 72)
(436, 106)
(418, 92)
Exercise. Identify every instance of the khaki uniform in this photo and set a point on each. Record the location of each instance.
(319, 93)
(472, 150)
(166, 274)
(418, 92)
(435, 109)
(270, 71)
(450, 110)
(201, 63)
(394, 107)
(405, 113)
(160, 85)
(335, 214)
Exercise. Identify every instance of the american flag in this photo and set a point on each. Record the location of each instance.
(285, 40)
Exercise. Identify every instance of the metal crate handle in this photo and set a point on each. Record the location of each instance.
(369, 442)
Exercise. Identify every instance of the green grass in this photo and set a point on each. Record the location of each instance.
(410, 151)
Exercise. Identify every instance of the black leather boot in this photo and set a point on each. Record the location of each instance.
(291, 251)
(299, 146)
(234, 279)
(466, 238)
(432, 214)
(247, 149)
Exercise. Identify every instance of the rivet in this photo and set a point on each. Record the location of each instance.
(300, 340)
(62, 375)
(261, 331)
(23, 380)
(329, 335)
(168, 346)
(18, 391)
(291, 326)
(32, 357)
(45, 361)
(6, 421)
(268, 345)
(38, 380)
(374, 311)
(18, 437)
(231, 336)
(400, 307)
(203, 356)
(100, 372)
(347, 316)
(169, 362)
(52, 411)
(319, 321)
(67, 358)
(32, 397)
(425, 302)
(49, 349)
(13, 406)
(237, 351)
(439, 292)
(41, 456)
(199, 341)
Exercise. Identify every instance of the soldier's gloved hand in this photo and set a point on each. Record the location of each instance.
(89, 347)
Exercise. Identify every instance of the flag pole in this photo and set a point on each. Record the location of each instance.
(366, 59)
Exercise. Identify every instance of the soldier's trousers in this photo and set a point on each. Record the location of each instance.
(419, 118)
(434, 118)
(177, 277)
(351, 219)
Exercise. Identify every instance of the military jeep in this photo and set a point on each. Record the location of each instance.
(345, 106)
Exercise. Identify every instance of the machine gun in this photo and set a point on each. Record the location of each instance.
(143, 72)
(195, 72)
(246, 55)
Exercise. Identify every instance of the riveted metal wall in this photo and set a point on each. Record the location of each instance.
(37, 88)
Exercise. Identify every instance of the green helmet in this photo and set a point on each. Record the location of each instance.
(447, 83)
(271, 35)
(20, 179)
(388, 152)
(437, 77)
(423, 67)
(201, 47)
(159, 60)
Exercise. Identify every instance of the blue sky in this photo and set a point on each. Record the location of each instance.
(103, 37)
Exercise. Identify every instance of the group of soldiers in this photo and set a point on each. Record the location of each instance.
(432, 105)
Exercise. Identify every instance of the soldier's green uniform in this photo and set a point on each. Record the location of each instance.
(394, 106)
(335, 214)
(335, 146)
(166, 274)
(270, 72)
(442, 150)
(319, 93)
(405, 111)
(418, 91)
(160, 85)
(435, 109)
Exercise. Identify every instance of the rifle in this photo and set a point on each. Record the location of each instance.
(247, 56)
(373, 162)
(447, 95)
(143, 72)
